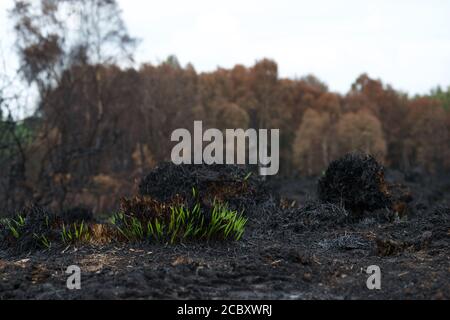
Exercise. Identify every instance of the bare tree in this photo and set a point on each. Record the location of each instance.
(65, 48)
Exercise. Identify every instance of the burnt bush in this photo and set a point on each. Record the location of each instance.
(232, 184)
(78, 214)
(355, 181)
(146, 208)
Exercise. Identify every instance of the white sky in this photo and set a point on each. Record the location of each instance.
(406, 43)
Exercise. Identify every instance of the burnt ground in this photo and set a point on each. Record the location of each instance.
(312, 251)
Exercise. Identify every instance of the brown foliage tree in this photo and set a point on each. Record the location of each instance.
(428, 135)
(361, 131)
(311, 145)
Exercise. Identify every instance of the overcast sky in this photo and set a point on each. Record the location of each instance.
(406, 43)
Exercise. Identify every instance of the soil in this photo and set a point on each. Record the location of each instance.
(305, 250)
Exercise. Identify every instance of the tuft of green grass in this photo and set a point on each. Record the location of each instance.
(76, 232)
(44, 232)
(43, 241)
(14, 226)
(184, 224)
(225, 222)
(129, 227)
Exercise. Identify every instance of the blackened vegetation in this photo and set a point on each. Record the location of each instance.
(352, 185)
(78, 214)
(146, 208)
(314, 215)
(38, 229)
(356, 182)
(428, 232)
(239, 187)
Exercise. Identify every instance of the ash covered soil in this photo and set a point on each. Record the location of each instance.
(296, 246)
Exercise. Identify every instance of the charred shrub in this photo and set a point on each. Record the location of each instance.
(355, 181)
(77, 215)
(146, 208)
(232, 184)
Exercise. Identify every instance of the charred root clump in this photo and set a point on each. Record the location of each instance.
(77, 215)
(356, 182)
(241, 189)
